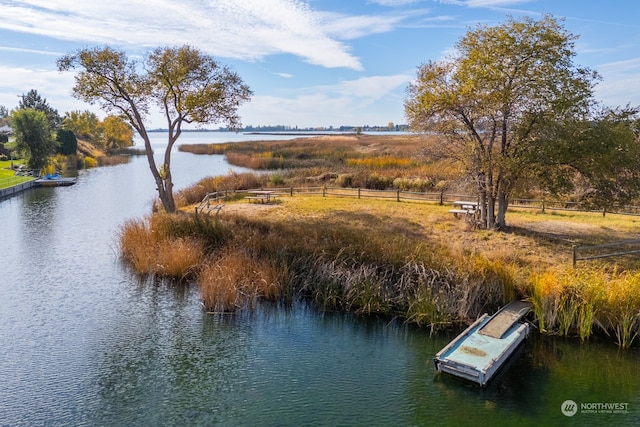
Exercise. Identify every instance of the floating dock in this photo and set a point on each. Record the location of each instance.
(481, 350)
(54, 180)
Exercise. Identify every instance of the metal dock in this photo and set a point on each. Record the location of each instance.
(479, 352)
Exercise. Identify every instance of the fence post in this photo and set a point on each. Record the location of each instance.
(542, 205)
(397, 195)
(574, 248)
(358, 192)
(441, 198)
(324, 189)
(604, 210)
(291, 191)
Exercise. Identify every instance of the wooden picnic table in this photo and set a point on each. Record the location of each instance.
(464, 207)
(262, 196)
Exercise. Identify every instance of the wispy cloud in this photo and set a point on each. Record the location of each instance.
(352, 27)
(35, 51)
(620, 83)
(485, 3)
(50, 84)
(348, 27)
(346, 101)
(394, 3)
(241, 29)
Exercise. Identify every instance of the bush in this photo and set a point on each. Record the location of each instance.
(378, 182)
(345, 180)
(90, 162)
(276, 179)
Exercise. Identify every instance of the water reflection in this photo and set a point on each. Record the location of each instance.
(84, 342)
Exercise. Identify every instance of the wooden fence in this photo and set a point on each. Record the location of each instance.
(580, 253)
(447, 198)
(624, 247)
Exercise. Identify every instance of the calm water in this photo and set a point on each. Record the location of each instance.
(84, 343)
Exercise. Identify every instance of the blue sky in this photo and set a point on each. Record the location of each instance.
(309, 63)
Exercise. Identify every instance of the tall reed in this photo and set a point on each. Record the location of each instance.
(237, 280)
(568, 301)
(338, 262)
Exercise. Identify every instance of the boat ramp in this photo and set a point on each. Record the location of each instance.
(480, 351)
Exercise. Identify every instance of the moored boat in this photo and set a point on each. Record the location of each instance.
(54, 180)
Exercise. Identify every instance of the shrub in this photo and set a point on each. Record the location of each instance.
(378, 182)
(276, 179)
(90, 162)
(345, 180)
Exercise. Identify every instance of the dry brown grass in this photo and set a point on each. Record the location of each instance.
(150, 250)
(407, 259)
(237, 280)
(366, 161)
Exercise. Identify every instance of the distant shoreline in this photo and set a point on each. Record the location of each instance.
(312, 133)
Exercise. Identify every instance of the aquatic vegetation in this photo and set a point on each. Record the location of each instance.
(349, 257)
(568, 301)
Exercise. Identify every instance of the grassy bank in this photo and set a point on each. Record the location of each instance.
(8, 177)
(408, 260)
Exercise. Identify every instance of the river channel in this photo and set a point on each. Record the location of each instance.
(82, 342)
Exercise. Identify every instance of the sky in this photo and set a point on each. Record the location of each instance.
(314, 63)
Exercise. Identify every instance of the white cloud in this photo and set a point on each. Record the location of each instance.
(34, 51)
(241, 29)
(284, 75)
(485, 3)
(394, 3)
(352, 27)
(372, 88)
(50, 84)
(347, 102)
(619, 85)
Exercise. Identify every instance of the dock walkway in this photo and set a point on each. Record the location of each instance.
(499, 324)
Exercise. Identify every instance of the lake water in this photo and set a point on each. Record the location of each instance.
(84, 343)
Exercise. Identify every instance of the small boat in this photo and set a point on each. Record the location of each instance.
(54, 180)
(482, 349)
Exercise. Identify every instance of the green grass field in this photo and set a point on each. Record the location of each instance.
(8, 178)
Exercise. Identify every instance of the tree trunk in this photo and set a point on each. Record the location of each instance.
(503, 204)
(166, 195)
(164, 183)
(491, 211)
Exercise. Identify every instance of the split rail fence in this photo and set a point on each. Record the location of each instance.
(580, 253)
(443, 198)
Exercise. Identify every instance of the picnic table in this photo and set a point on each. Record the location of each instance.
(261, 196)
(464, 207)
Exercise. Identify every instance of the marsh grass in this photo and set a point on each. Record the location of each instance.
(167, 245)
(383, 258)
(568, 302)
(236, 280)
(112, 160)
(373, 162)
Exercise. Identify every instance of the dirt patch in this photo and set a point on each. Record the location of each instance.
(472, 351)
